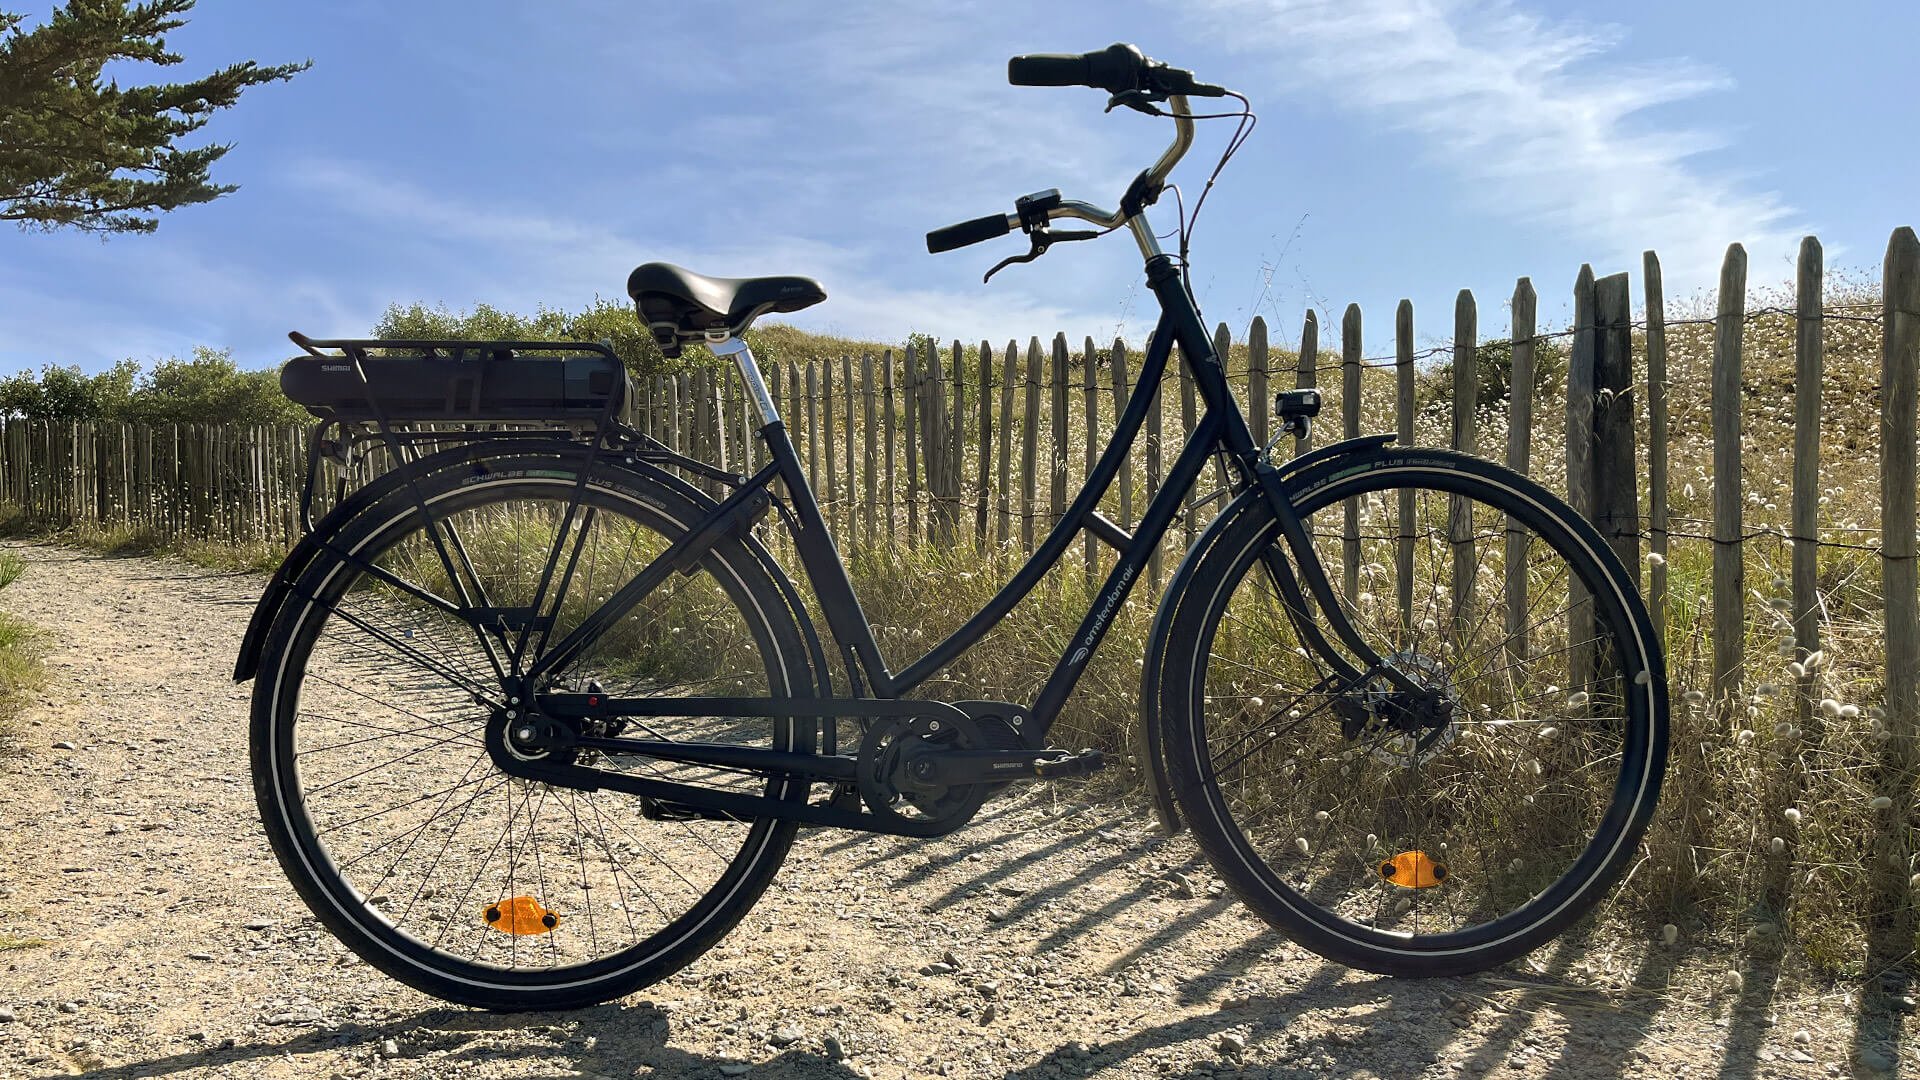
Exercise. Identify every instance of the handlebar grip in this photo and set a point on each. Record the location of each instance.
(967, 232)
(1115, 69)
(1048, 69)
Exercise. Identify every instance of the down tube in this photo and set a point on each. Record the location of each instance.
(1153, 525)
(1126, 430)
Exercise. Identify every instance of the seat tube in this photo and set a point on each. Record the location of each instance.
(749, 375)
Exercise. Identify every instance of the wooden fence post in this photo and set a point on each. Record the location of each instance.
(1257, 402)
(886, 415)
(1188, 417)
(1580, 394)
(985, 474)
(870, 458)
(1519, 455)
(957, 456)
(910, 397)
(1892, 937)
(1616, 481)
(1656, 445)
(936, 427)
(852, 515)
(1090, 396)
(1403, 419)
(1057, 461)
(674, 385)
(1729, 573)
(1466, 439)
(813, 428)
(1308, 370)
(1152, 463)
(1030, 447)
(1009, 368)
(1350, 429)
(1119, 362)
(1809, 359)
(830, 490)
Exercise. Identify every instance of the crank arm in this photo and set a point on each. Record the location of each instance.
(812, 766)
(948, 768)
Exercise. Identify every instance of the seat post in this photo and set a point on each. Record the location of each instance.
(724, 344)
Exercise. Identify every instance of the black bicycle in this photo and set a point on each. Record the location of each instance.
(536, 718)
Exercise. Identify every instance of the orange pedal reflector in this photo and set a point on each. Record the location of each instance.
(521, 915)
(1413, 870)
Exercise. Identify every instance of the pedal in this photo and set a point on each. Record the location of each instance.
(668, 810)
(1084, 763)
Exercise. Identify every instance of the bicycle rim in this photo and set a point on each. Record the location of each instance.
(391, 815)
(1452, 828)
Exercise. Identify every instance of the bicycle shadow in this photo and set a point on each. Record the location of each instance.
(606, 1040)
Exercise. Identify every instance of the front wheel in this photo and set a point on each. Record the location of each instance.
(1443, 829)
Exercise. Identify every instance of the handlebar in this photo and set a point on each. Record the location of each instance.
(1133, 80)
(995, 225)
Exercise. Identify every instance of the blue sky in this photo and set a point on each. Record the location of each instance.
(521, 154)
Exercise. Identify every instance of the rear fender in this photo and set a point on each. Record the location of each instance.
(281, 584)
(475, 455)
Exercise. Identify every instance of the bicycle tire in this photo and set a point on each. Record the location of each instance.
(318, 866)
(1317, 895)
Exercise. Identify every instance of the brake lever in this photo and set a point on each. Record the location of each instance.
(1138, 100)
(1042, 240)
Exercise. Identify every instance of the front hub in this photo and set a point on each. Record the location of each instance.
(1404, 727)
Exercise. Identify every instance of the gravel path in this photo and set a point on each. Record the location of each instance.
(146, 931)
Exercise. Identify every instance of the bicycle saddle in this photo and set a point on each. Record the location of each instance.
(679, 305)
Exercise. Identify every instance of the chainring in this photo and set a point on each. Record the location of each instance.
(884, 770)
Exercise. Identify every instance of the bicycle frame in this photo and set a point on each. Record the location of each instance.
(1222, 429)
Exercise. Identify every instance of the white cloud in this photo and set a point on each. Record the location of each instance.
(1515, 106)
(517, 258)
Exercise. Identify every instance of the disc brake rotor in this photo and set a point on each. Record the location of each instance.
(1403, 748)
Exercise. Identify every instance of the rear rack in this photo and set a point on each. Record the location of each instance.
(417, 395)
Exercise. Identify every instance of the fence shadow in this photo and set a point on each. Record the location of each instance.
(605, 1040)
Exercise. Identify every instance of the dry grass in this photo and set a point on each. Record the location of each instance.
(20, 668)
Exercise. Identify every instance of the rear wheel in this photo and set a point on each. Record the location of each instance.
(1455, 826)
(380, 797)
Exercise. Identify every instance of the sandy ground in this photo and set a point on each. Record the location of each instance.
(146, 931)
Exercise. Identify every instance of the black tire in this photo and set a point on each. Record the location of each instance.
(378, 844)
(1502, 799)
